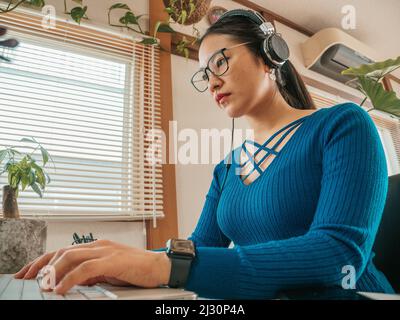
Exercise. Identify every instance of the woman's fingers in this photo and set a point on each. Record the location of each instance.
(30, 270)
(82, 273)
(21, 273)
(72, 258)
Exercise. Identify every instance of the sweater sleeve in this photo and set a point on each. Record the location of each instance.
(351, 201)
(207, 232)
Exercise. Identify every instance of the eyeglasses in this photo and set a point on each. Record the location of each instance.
(217, 65)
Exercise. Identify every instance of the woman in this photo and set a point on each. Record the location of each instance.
(301, 203)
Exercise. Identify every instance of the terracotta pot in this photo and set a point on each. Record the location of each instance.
(202, 7)
(10, 204)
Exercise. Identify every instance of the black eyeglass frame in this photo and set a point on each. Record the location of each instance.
(220, 51)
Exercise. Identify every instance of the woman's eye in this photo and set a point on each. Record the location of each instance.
(220, 62)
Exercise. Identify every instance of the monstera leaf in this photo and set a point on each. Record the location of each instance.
(374, 70)
(368, 77)
(381, 99)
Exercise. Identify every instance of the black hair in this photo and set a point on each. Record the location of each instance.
(291, 86)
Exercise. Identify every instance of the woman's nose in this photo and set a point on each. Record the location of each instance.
(214, 83)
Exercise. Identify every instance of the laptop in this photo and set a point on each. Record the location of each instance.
(18, 289)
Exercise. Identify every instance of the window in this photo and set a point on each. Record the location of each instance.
(90, 104)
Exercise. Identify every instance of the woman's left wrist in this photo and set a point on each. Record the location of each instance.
(164, 267)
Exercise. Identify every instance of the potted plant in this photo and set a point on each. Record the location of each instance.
(21, 240)
(187, 12)
(184, 12)
(368, 78)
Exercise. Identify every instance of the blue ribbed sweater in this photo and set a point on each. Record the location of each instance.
(314, 210)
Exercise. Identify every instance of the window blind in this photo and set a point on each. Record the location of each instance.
(388, 127)
(89, 97)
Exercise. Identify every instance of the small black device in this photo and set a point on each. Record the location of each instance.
(181, 252)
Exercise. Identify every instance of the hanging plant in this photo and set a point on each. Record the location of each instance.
(187, 12)
(13, 4)
(184, 12)
(77, 13)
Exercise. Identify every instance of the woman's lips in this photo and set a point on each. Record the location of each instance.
(221, 98)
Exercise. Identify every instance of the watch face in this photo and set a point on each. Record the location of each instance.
(185, 247)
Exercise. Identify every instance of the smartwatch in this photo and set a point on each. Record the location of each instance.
(181, 253)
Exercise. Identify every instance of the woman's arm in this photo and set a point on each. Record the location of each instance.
(207, 232)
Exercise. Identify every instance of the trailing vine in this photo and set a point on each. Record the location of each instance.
(179, 12)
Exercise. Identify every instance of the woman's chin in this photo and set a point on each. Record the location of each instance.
(231, 111)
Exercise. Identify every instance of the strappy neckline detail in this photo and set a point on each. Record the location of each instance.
(268, 151)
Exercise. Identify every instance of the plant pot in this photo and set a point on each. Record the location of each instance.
(21, 241)
(10, 204)
(202, 7)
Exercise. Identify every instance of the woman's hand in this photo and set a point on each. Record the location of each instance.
(102, 261)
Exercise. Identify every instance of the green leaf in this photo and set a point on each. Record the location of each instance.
(374, 70)
(192, 7)
(381, 99)
(3, 154)
(169, 10)
(120, 6)
(149, 41)
(182, 17)
(129, 18)
(78, 13)
(28, 140)
(32, 177)
(78, 1)
(45, 155)
(48, 178)
(25, 182)
(36, 188)
(165, 27)
(186, 52)
(37, 3)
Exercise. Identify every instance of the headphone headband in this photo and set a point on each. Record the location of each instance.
(266, 27)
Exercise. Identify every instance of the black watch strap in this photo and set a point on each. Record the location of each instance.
(180, 268)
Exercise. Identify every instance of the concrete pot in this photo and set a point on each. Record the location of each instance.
(21, 241)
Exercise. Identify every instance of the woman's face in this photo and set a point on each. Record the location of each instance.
(246, 83)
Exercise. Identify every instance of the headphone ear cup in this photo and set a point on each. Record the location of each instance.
(263, 51)
(277, 48)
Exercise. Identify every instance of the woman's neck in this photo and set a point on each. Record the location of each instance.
(270, 116)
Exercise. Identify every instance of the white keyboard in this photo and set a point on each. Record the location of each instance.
(15, 289)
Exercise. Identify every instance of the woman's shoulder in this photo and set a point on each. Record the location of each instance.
(344, 108)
